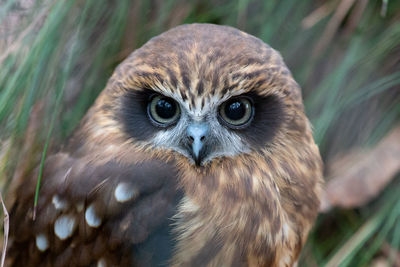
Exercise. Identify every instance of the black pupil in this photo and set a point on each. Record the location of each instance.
(235, 110)
(165, 108)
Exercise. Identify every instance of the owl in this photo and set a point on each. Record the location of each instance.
(197, 153)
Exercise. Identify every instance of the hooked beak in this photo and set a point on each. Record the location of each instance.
(197, 135)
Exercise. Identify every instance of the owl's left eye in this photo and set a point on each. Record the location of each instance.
(163, 111)
(237, 113)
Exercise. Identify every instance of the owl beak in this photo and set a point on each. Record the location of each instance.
(197, 136)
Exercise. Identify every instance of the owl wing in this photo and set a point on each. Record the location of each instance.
(90, 214)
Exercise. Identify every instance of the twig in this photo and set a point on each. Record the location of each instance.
(318, 14)
(355, 17)
(384, 8)
(6, 230)
(332, 26)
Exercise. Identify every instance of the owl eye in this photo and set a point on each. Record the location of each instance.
(163, 111)
(237, 112)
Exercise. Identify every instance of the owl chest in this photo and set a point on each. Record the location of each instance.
(226, 235)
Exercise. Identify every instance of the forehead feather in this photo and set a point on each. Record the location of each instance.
(199, 63)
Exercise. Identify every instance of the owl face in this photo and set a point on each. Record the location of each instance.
(219, 130)
(203, 134)
(203, 99)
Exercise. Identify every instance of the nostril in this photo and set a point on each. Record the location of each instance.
(191, 139)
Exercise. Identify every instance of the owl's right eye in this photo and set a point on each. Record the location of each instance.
(163, 111)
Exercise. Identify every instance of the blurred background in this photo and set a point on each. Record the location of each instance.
(56, 56)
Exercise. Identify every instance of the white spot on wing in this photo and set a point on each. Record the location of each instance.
(124, 192)
(285, 228)
(286, 260)
(101, 263)
(58, 203)
(91, 218)
(64, 226)
(41, 242)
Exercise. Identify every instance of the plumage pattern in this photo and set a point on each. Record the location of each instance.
(126, 190)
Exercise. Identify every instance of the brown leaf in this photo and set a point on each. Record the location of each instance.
(361, 175)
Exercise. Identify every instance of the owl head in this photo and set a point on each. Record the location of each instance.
(202, 92)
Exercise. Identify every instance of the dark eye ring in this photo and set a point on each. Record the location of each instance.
(237, 112)
(163, 111)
